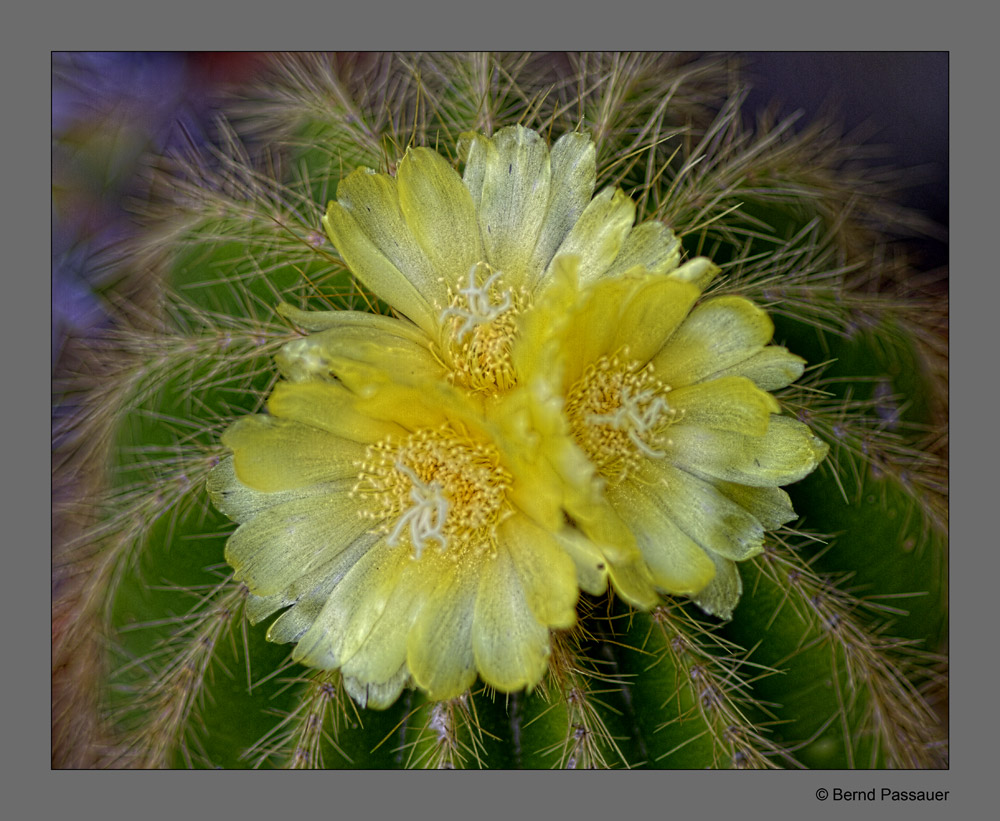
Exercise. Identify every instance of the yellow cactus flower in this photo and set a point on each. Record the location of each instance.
(429, 492)
(412, 535)
(463, 256)
(669, 401)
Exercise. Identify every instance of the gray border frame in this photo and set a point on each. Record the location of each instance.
(438, 25)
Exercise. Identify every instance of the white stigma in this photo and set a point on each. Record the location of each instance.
(639, 415)
(481, 309)
(426, 516)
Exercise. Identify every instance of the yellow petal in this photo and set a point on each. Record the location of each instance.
(729, 403)
(440, 214)
(599, 234)
(514, 200)
(723, 593)
(374, 201)
(650, 315)
(510, 647)
(439, 648)
(770, 369)
(329, 407)
(677, 564)
(377, 695)
(473, 151)
(286, 542)
(353, 608)
(711, 519)
(786, 453)
(240, 502)
(718, 334)
(573, 177)
(699, 272)
(618, 543)
(381, 340)
(527, 434)
(771, 506)
(307, 595)
(635, 311)
(384, 649)
(371, 266)
(360, 358)
(591, 566)
(272, 454)
(544, 571)
(540, 348)
(652, 246)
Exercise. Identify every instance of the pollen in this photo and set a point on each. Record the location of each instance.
(436, 487)
(479, 328)
(619, 415)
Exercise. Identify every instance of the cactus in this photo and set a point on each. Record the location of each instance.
(833, 656)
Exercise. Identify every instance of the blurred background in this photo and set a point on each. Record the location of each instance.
(110, 109)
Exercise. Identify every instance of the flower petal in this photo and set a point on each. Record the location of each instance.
(330, 407)
(511, 648)
(599, 234)
(677, 564)
(440, 214)
(308, 594)
(240, 502)
(573, 166)
(771, 506)
(377, 695)
(272, 454)
(353, 608)
(286, 542)
(439, 648)
(723, 593)
(634, 311)
(786, 453)
(711, 519)
(591, 566)
(698, 271)
(651, 315)
(545, 572)
(514, 200)
(651, 246)
(718, 334)
(361, 359)
(770, 369)
(380, 340)
(373, 268)
(592, 515)
(731, 403)
(374, 201)
(384, 649)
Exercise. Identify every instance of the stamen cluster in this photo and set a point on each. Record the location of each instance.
(618, 414)
(479, 328)
(436, 486)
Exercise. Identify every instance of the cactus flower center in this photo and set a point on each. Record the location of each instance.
(479, 329)
(618, 413)
(436, 487)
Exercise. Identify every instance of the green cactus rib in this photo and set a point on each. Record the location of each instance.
(845, 699)
(694, 693)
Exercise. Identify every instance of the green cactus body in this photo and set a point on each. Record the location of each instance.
(831, 658)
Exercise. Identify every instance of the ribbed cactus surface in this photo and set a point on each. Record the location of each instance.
(832, 657)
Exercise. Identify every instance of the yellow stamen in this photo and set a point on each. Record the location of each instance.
(479, 329)
(435, 486)
(619, 415)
